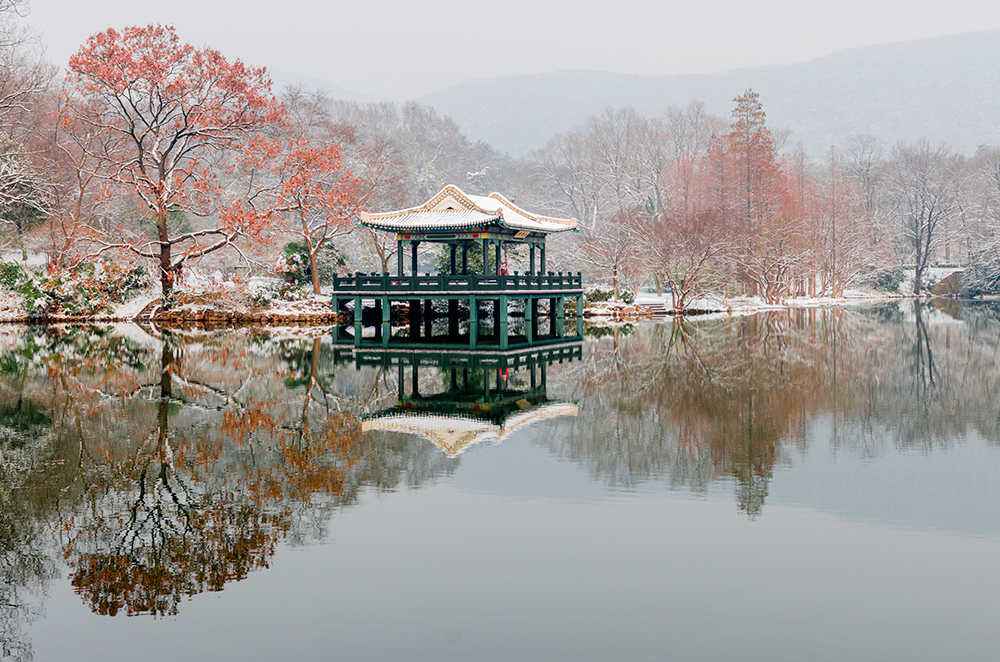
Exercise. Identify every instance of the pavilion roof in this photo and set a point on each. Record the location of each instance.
(453, 209)
(454, 434)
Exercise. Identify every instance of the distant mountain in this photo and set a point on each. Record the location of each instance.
(946, 88)
(280, 79)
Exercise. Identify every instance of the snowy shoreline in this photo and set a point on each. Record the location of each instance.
(315, 310)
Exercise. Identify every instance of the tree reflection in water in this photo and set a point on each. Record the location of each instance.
(160, 465)
(690, 402)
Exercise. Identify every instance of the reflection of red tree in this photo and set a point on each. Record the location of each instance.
(188, 512)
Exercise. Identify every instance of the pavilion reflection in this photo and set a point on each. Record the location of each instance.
(456, 399)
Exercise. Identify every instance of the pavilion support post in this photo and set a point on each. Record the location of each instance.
(414, 319)
(544, 380)
(415, 383)
(486, 386)
(359, 311)
(473, 321)
(399, 384)
(399, 258)
(552, 316)
(452, 247)
(486, 257)
(428, 318)
(579, 315)
(502, 327)
(541, 269)
(531, 368)
(531, 260)
(386, 321)
(529, 319)
(465, 258)
(336, 311)
(498, 261)
(413, 258)
(378, 316)
(534, 317)
(453, 320)
(560, 316)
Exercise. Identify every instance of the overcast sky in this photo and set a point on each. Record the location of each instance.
(406, 49)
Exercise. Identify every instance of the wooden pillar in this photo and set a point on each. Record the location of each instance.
(529, 319)
(473, 321)
(452, 319)
(560, 316)
(399, 258)
(399, 383)
(359, 312)
(413, 258)
(541, 269)
(531, 367)
(499, 263)
(552, 316)
(414, 319)
(415, 387)
(386, 321)
(452, 247)
(486, 257)
(378, 316)
(428, 319)
(465, 258)
(579, 315)
(336, 325)
(534, 317)
(531, 260)
(502, 325)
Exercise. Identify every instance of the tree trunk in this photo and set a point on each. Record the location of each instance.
(314, 270)
(166, 270)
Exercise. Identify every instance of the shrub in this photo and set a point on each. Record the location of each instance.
(85, 289)
(597, 294)
(888, 281)
(10, 275)
(600, 294)
(262, 297)
(293, 264)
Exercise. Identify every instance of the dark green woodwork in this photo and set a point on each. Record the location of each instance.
(462, 324)
(353, 284)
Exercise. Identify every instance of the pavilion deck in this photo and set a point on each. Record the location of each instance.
(445, 285)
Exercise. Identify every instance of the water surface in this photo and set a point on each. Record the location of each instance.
(818, 484)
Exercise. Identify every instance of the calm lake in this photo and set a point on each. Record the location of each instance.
(817, 484)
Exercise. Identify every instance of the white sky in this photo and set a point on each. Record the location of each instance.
(403, 49)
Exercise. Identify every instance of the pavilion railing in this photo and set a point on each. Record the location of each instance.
(555, 282)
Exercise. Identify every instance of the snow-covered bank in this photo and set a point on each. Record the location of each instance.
(717, 305)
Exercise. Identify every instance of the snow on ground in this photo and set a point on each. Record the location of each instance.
(931, 276)
(10, 305)
(719, 304)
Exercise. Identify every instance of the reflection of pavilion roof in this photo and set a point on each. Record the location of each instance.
(453, 209)
(454, 434)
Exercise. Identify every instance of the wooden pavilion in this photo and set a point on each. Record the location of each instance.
(460, 221)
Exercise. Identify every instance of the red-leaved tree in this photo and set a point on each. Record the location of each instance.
(318, 195)
(174, 119)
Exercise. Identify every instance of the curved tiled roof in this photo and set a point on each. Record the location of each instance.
(454, 434)
(453, 209)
